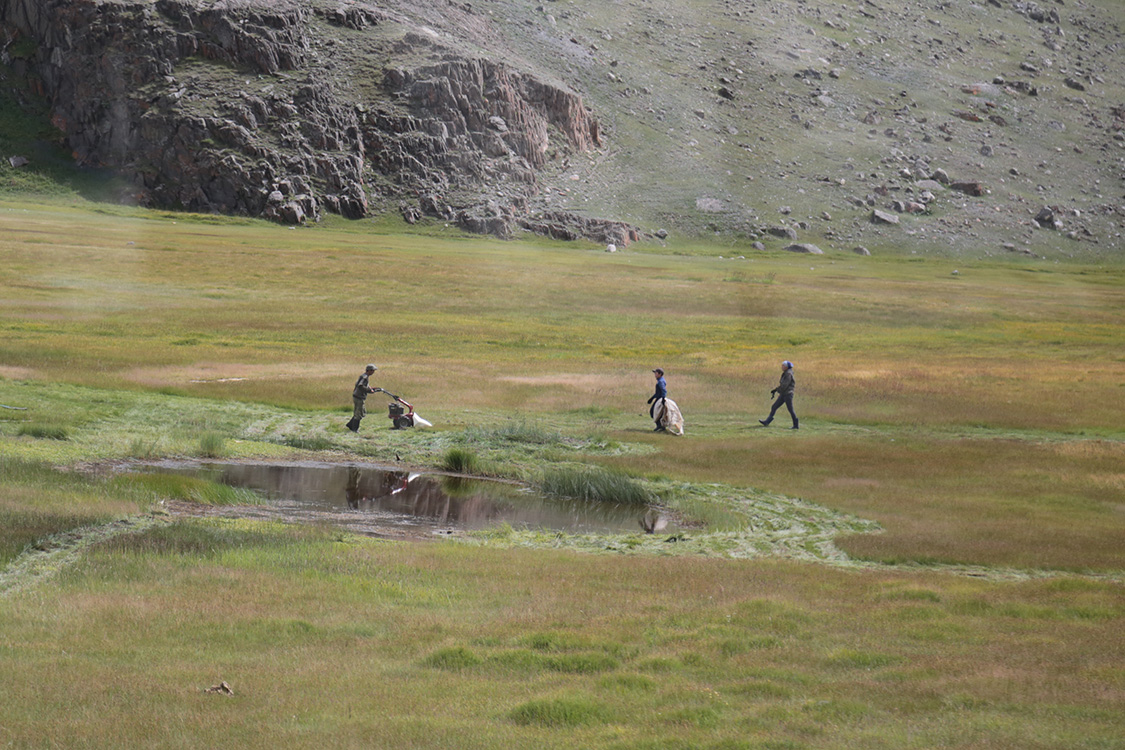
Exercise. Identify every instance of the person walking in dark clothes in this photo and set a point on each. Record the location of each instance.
(656, 400)
(784, 393)
(359, 398)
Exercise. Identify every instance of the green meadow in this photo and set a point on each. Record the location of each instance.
(935, 559)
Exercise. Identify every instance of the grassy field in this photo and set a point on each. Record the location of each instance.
(933, 560)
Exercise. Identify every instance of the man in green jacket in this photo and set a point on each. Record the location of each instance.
(359, 398)
(784, 393)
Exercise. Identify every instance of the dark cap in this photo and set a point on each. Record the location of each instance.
(370, 368)
(659, 371)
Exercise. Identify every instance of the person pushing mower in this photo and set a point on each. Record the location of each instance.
(359, 397)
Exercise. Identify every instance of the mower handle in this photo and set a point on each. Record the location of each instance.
(396, 398)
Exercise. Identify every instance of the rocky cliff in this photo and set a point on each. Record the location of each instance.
(287, 109)
(940, 127)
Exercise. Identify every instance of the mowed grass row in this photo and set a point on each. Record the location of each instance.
(327, 639)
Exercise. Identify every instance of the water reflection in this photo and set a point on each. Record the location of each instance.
(653, 521)
(358, 495)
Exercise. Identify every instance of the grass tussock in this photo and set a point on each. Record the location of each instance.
(146, 448)
(561, 713)
(44, 432)
(160, 486)
(461, 461)
(594, 484)
(453, 659)
(212, 445)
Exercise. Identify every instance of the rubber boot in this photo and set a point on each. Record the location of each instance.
(353, 424)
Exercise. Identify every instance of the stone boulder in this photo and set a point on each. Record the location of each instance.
(804, 247)
(785, 233)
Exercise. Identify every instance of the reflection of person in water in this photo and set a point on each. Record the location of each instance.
(351, 489)
(653, 522)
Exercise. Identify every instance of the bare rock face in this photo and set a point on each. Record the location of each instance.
(567, 226)
(472, 120)
(238, 107)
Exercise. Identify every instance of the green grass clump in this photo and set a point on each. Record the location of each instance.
(42, 431)
(594, 485)
(628, 683)
(453, 659)
(561, 712)
(460, 461)
(212, 445)
(142, 448)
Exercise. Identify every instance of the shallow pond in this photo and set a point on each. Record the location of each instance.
(366, 498)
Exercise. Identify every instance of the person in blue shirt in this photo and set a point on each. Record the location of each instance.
(658, 398)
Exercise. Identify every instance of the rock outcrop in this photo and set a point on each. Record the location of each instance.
(255, 107)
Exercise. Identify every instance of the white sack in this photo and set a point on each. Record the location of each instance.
(669, 417)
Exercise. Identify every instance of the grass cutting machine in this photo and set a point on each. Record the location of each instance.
(401, 417)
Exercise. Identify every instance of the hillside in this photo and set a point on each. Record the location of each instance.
(934, 127)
